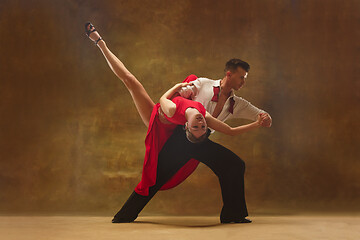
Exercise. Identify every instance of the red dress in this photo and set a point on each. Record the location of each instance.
(158, 133)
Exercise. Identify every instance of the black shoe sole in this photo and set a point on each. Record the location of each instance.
(116, 220)
(236, 221)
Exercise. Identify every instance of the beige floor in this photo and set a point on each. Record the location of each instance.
(263, 227)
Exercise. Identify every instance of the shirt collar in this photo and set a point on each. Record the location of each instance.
(217, 84)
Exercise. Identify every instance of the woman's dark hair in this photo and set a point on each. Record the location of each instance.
(234, 63)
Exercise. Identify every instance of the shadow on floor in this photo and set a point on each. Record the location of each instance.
(180, 224)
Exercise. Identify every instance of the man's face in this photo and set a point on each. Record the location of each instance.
(237, 78)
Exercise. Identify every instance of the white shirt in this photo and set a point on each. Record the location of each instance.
(203, 91)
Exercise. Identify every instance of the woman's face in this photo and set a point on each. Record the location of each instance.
(197, 125)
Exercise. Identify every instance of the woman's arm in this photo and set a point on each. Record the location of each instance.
(220, 126)
(167, 106)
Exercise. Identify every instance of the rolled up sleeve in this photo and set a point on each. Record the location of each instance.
(244, 109)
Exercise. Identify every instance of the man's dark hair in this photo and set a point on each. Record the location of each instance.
(234, 63)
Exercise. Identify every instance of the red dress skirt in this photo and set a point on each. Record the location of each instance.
(158, 133)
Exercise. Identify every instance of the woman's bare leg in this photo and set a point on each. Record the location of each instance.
(141, 98)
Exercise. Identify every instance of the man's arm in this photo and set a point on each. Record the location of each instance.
(244, 109)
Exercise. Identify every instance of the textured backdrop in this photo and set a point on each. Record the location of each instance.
(72, 141)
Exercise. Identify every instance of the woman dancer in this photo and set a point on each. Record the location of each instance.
(161, 120)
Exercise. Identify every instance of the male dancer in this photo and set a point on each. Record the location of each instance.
(219, 99)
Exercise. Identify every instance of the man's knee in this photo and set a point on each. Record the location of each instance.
(237, 165)
(241, 165)
(231, 167)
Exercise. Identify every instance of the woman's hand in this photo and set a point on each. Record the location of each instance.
(267, 121)
(260, 119)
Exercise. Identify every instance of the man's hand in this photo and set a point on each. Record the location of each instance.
(178, 86)
(260, 119)
(188, 91)
(266, 120)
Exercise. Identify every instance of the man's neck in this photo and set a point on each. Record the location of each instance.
(224, 86)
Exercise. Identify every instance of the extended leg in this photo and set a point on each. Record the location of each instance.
(171, 158)
(142, 100)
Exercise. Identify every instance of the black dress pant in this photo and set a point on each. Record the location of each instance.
(177, 151)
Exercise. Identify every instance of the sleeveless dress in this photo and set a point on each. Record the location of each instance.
(158, 133)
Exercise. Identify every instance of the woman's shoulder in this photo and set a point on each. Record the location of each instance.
(180, 100)
(184, 103)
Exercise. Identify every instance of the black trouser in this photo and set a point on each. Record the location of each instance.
(176, 152)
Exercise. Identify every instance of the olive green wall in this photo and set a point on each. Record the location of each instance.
(72, 141)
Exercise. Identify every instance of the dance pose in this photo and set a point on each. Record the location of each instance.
(161, 120)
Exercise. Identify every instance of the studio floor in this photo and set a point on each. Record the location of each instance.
(175, 227)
